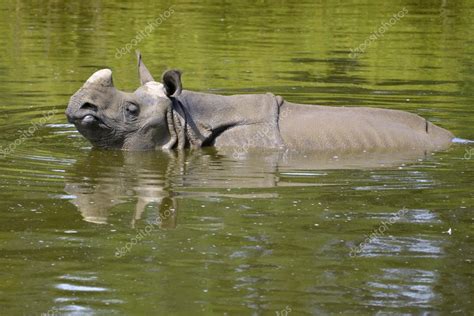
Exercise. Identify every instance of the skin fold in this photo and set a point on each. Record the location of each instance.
(163, 116)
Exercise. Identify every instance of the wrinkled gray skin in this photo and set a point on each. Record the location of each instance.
(162, 115)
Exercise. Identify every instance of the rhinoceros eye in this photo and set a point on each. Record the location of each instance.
(131, 109)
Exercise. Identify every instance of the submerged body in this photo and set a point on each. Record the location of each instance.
(163, 116)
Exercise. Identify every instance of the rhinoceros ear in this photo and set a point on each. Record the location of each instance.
(101, 77)
(172, 81)
(143, 72)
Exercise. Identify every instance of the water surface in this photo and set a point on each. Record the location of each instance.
(87, 232)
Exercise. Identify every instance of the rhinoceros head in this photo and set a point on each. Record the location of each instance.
(110, 118)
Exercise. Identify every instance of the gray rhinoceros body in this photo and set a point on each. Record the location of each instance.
(269, 121)
(162, 115)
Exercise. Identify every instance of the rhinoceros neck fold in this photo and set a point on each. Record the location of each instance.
(206, 116)
(182, 129)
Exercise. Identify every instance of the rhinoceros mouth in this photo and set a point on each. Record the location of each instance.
(88, 119)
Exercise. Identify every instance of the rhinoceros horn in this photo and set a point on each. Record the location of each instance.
(101, 77)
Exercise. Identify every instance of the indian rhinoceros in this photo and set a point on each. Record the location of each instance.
(164, 116)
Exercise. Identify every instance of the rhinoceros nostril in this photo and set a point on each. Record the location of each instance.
(89, 106)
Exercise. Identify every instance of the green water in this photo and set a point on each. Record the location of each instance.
(208, 234)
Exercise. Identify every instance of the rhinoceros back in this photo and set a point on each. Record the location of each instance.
(357, 128)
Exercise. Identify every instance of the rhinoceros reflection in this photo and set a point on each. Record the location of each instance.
(105, 179)
(157, 180)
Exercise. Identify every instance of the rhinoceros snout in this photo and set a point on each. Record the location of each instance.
(85, 113)
(70, 116)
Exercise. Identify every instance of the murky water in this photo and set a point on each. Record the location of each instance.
(85, 232)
